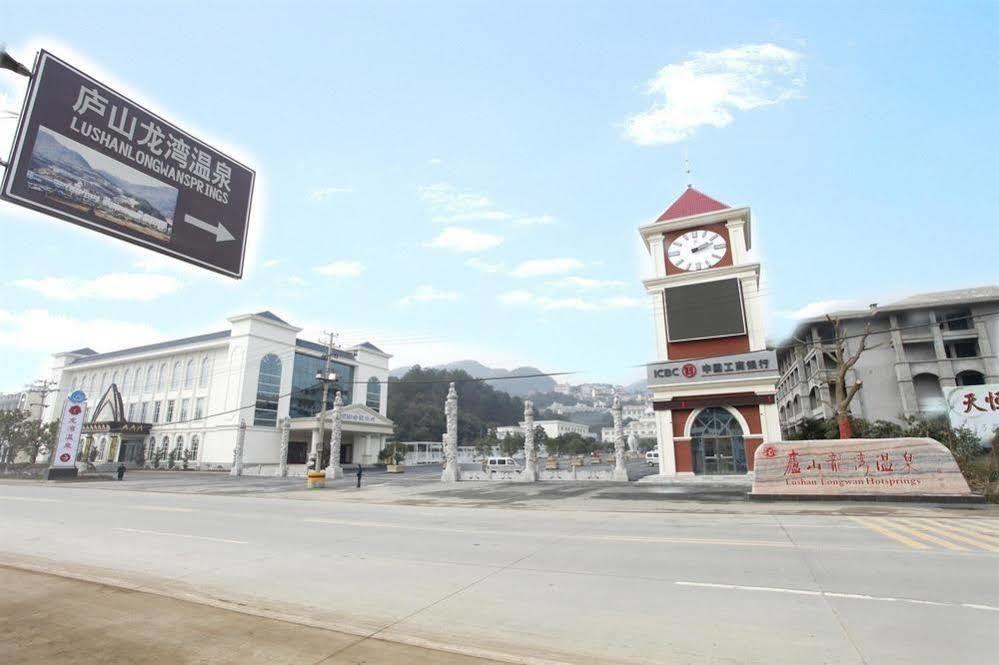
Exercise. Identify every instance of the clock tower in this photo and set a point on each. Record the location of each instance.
(714, 380)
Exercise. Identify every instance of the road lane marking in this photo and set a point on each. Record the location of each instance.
(874, 526)
(972, 527)
(183, 535)
(169, 509)
(529, 534)
(30, 498)
(915, 531)
(832, 594)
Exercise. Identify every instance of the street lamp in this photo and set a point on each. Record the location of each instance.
(7, 62)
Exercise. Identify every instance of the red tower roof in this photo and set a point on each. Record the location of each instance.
(691, 202)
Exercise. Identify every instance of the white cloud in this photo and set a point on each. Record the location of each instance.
(141, 287)
(40, 330)
(483, 266)
(585, 283)
(623, 302)
(435, 161)
(819, 308)
(340, 269)
(427, 293)
(465, 240)
(449, 205)
(708, 88)
(324, 193)
(516, 297)
(295, 280)
(270, 263)
(538, 267)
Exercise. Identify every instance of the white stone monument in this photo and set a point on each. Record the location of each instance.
(620, 472)
(530, 474)
(237, 454)
(633, 443)
(283, 461)
(451, 473)
(334, 470)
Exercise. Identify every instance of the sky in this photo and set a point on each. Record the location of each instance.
(464, 180)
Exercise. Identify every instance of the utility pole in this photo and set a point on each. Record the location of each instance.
(325, 377)
(41, 387)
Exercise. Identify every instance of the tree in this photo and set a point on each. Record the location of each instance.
(845, 360)
(485, 445)
(11, 423)
(512, 443)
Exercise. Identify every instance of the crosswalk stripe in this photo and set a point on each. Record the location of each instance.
(984, 528)
(955, 533)
(874, 526)
(914, 530)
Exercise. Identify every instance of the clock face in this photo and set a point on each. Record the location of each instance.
(697, 250)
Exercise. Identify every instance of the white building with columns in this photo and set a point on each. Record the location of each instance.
(188, 396)
(713, 380)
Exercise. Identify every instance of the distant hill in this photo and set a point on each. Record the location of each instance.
(516, 387)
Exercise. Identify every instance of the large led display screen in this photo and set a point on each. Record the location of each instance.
(704, 311)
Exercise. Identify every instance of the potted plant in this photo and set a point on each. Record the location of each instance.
(392, 456)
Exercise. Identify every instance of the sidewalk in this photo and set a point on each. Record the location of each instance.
(48, 619)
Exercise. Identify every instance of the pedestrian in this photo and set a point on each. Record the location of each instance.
(121, 471)
(360, 472)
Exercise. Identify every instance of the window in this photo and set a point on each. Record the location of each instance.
(161, 379)
(199, 408)
(959, 319)
(114, 377)
(189, 374)
(142, 412)
(268, 389)
(178, 446)
(137, 383)
(131, 412)
(175, 376)
(149, 379)
(125, 385)
(962, 349)
(970, 377)
(203, 380)
(156, 412)
(104, 382)
(194, 447)
(165, 444)
(307, 392)
(183, 409)
(374, 399)
(169, 413)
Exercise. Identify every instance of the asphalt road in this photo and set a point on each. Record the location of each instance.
(695, 584)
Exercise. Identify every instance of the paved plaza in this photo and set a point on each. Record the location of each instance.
(546, 573)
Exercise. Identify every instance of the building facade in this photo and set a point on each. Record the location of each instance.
(713, 384)
(924, 345)
(186, 398)
(552, 429)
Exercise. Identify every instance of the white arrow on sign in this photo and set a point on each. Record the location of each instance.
(221, 233)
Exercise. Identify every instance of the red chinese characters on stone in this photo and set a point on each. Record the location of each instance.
(907, 458)
(833, 460)
(971, 402)
(884, 463)
(770, 451)
(792, 466)
(862, 463)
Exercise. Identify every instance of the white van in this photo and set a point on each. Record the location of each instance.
(502, 464)
(652, 458)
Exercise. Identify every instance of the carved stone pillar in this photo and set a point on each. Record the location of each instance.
(283, 454)
(334, 470)
(451, 473)
(530, 474)
(237, 454)
(620, 472)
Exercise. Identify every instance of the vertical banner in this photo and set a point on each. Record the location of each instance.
(70, 427)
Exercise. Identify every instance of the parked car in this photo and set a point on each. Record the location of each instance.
(652, 458)
(502, 464)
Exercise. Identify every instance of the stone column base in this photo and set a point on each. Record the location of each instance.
(450, 475)
(619, 474)
(334, 471)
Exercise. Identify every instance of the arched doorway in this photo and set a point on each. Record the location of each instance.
(716, 440)
(929, 396)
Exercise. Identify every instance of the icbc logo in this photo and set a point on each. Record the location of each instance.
(74, 410)
(689, 370)
(64, 457)
(770, 451)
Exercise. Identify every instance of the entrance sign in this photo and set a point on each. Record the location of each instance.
(66, 446)
(739, 365)
(975, 407)
(908, 466)
(88, 155)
